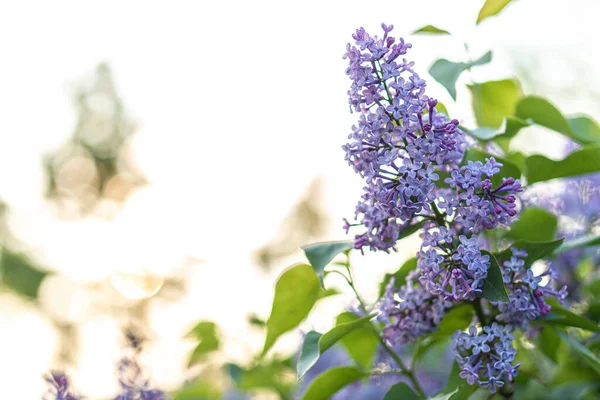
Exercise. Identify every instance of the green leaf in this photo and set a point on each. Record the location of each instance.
(316, 344)
(235, 372)
(483, 133)
(296, 292)
(562, 316)
(585, 129)
(501, 137)
(542, 112)
(276, 375)
(447, 72)
(484, 59)
(198, 390)
(206, 333)
(535, 250)
(583, 351)
(309, 353)
(255, 320)
(323, 293)
(580, 162)
(458, 318)
(519, 159)
(576, 243)
(549, 343)
(20, 275)
(493, 101)
(321, 254)
(440, 107)
(332, 380)
(493, 286)
(581, 128)
(534, 225)
(514, 125)
(401, 391)
(424, 345)
(491, 8)
(432, 30)
(361, 343)
(400, 275)
(445, 395)
(457, 388)
(572, 391)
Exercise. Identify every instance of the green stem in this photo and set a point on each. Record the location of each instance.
(479, 312)
(438, 215)
(339, 273)
(405, 370)
(350, 281)
(475, 85)
(410, 374)
(386, 372)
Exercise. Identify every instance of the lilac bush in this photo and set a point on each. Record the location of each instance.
(479, 279)
(417, 314)
(483, 304)
(399, 146)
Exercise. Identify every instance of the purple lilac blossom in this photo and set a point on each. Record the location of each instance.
(526, 295)
(456, 270)
(400, 140)
(134, 385)
(59, 387)
(410, 312)
(452, 273)
(486, 357)
(479, 204)
(400, 146)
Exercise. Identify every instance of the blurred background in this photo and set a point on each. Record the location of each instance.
(162, 163)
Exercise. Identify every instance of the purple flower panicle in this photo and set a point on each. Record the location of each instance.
(486, 357)
(411, 159)
(399, 142)
(410, 312)
(454, 273)
(59, 387)
(526, 293)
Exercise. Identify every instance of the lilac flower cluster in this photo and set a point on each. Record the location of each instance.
(477, 203)
(133, 383)
(453, 273)
(400, 140)
(411, 158)
(400, 146)
(59, 387)
(486, 357)
(454, 269)
(526, 294)
(410, 312)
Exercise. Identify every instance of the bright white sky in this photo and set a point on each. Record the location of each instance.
(241, 105)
